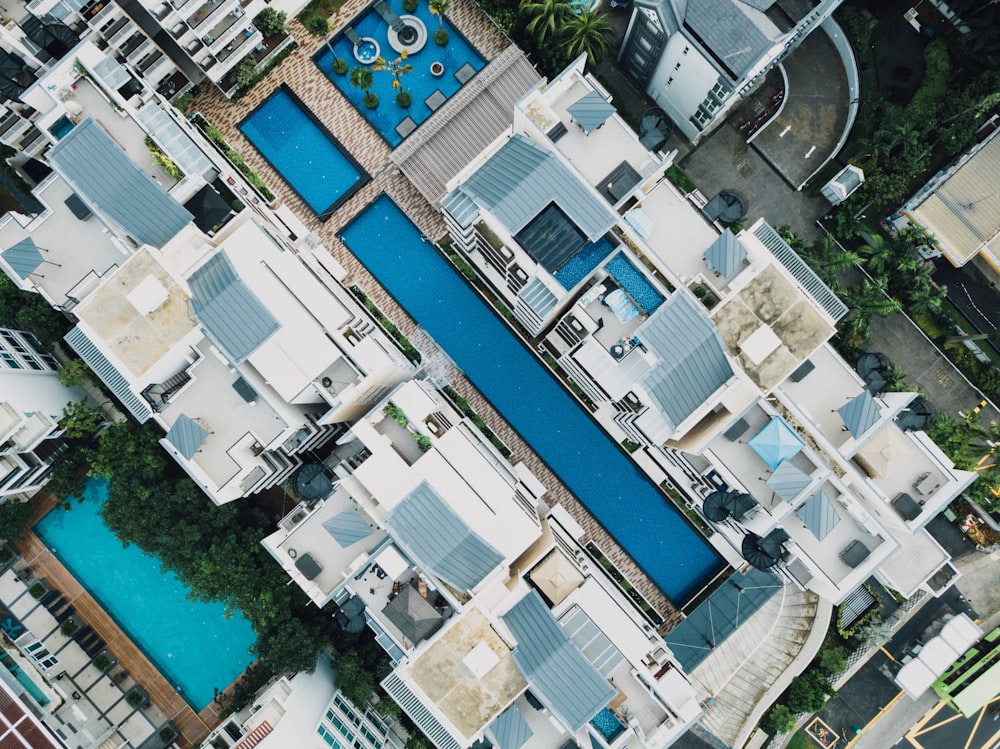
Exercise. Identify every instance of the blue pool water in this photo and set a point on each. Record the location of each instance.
(193, 644)
(24, 680)
(61, 127)
(578, 266)
(564, 436)
(608, 724)
(635, 283)
(303, 152)
(420, 83)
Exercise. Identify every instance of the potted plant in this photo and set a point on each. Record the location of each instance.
(364, 79)
(437, 69)
(37, 590)
(135, 697)
(409, 5)
(441, 37)
(404, 99)
(102, 662)
(167, 734)
(68, 627)
(439, 8)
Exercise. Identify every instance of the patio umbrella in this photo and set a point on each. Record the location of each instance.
(884, 453)
(350, 616)
(556, 577)
(915, 417)
(776, 442)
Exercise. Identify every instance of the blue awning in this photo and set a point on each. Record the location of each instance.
(348, 527)
(776, 442)
(186, 435)
(23, 258)
(590, 111)
(510, 729)
(859, 414)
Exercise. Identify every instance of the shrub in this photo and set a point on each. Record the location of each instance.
(166, 734)
(441, 37)
(778, 720)
(833, 661)
(340, 66)
(404, 99)
(371, 100)
(183, 101)
(5, 555)
(102, 662)
(68, 627)
(423, 442)
(409, 5)
(135, 697)
(680, 180)
(36, 591)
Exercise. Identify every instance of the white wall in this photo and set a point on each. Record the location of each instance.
(690, 85)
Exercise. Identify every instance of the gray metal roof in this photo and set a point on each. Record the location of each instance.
(455, 135)
(558, 673)
(186, 435)
(819, 514)
(23, 257)
(308, 566)
(510, 729)
(787, 481)
(439, 540)
(106, 178)
(859, 414)
(538, 296)
(800, 270)
(232, 314)
(714, 620)
(109, 375)
(731, 30)
(692, 364)
(726, 254)
(590, 111)
(348, 527)
(522, 178)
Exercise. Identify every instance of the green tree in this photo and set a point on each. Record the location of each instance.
(439, 8)
(354, 680)
(779, 719)
(270, 22)
(833, 662)
(80, 419)
(586, 32)
(15, 518)
(866, 300)
(244, 72)
(398, 68)
(75, 372)
(544, 18)
(808, 692)
(320, 27)
(364, 79)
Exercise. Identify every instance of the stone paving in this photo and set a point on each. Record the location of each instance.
(353, 131)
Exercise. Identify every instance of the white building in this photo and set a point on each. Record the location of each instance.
(237, 339)
(697, 58)
(497, 626)
(31, 404)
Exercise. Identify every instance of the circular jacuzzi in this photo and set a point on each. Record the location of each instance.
(366, 51)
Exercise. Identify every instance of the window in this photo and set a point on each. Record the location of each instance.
(328, 737)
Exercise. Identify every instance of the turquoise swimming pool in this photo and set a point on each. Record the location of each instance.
(192, 644)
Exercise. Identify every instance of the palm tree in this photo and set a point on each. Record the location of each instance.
(318, 26)
(587, 33)
(398, 67)
(876, 634)
(545, 17)
(439, 8)
(364, 79)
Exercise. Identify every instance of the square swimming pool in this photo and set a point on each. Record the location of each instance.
(304, 152)
(196, 647)
(457, 58)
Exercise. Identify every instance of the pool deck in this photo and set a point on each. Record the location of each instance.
(368, 147)
(193, 726)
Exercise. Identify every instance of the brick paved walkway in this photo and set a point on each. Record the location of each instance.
(354, 132)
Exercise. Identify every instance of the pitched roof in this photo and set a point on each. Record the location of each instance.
(558, 673)
(186, 435)
(522, 178)
(859, 413)
(734, 32)
(692, 362)
(590, 111)
(413, 616)
(348, 527)
(819, 515)
(439, 540)
(105, 177)
(109, 374)
(726, 254)
(538, 297)
(233, 315)
(23, 257)
(776, 442)
(787, 481)
(510, 729)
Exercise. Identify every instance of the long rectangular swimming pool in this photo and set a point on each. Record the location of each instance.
(625, 502)
(192, 643)
(307, 155)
